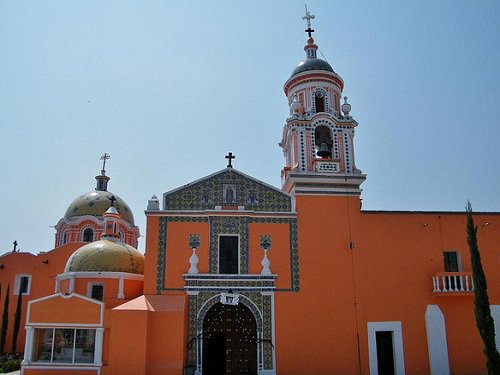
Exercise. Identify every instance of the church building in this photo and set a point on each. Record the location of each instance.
(241, 277)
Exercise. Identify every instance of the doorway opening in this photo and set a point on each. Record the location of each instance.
(229, 341)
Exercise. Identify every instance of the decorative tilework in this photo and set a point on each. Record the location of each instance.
(294, 245)
(161, 265)
(265, 242)
(267, 333)
(228, 225)
(213, 191)
(259, 305)
(194, 241)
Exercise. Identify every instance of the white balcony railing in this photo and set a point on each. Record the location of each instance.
(453, 282)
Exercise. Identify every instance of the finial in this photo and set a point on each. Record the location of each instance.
(104, 157)
(230, 157)
(15, 246)
(113, 200)
(346, 107)
(308, 17)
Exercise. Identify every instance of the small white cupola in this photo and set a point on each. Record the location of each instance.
(111, 219)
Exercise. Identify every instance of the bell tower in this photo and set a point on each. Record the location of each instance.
(318, 137)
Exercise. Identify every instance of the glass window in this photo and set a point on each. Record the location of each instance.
(97, 291)
(22, 284)
(84, 346)
(64, 345)
(228, 254)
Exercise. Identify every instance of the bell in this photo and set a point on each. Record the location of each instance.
(323, 150)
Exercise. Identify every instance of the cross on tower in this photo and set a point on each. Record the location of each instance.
(113, 200)
(15, 246)
(105, 157)
(230, 157)
(308, 17)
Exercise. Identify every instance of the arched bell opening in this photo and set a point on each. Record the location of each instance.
(323, 141)
(319, 101)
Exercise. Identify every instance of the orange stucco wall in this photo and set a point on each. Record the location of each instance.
(55, 371)
(42, 268)
(151, 254)
(55, 310)
(355, 267)
(147, 337)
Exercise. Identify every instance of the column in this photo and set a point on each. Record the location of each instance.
(71, 284)
(28, 345)
(58, 285)
(121, 283)
(98, 346)
(436, 340)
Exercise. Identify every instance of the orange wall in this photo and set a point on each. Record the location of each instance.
(178, 252)
(128, 345)
(52, 371)
(151, 254)
(279, 254)
(386, 276)
(42, 281)
(72, 310)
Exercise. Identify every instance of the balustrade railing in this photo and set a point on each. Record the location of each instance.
(453, 282)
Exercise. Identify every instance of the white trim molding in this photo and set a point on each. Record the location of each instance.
(437, 344)
(397, 342)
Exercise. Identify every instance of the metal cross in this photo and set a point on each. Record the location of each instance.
(15, 246)
(230, 157)
(113, 200)
(308, 17)
(105, 157)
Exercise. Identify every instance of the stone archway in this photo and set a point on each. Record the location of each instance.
(230, 341)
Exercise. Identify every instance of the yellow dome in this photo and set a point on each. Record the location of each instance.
(106, 256)
(96, 203)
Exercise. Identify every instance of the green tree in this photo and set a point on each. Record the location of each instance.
(17, 321)
(484, 321)
(5, 321)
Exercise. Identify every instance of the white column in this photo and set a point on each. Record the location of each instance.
(436, 340)
(121, 283)
(58, 285)
(495, 314)
(71, 284)
(98, 346)
(28, 345)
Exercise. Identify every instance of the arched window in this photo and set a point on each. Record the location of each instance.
(88, 235)
(63, 238)
(319, 101)
(323, 141)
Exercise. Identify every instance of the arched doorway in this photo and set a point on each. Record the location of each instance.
(229, 341)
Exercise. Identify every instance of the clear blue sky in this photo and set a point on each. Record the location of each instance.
(169, 87)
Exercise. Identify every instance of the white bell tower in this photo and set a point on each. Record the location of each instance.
(318, 135)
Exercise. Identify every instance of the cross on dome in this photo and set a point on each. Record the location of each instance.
(308, 17)
(104, 157)
(113, 200)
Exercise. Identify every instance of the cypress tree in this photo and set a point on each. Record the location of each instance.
(484, 321)
(17, 321)
(5, 321)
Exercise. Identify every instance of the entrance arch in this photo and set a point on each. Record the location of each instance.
(230, 341)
